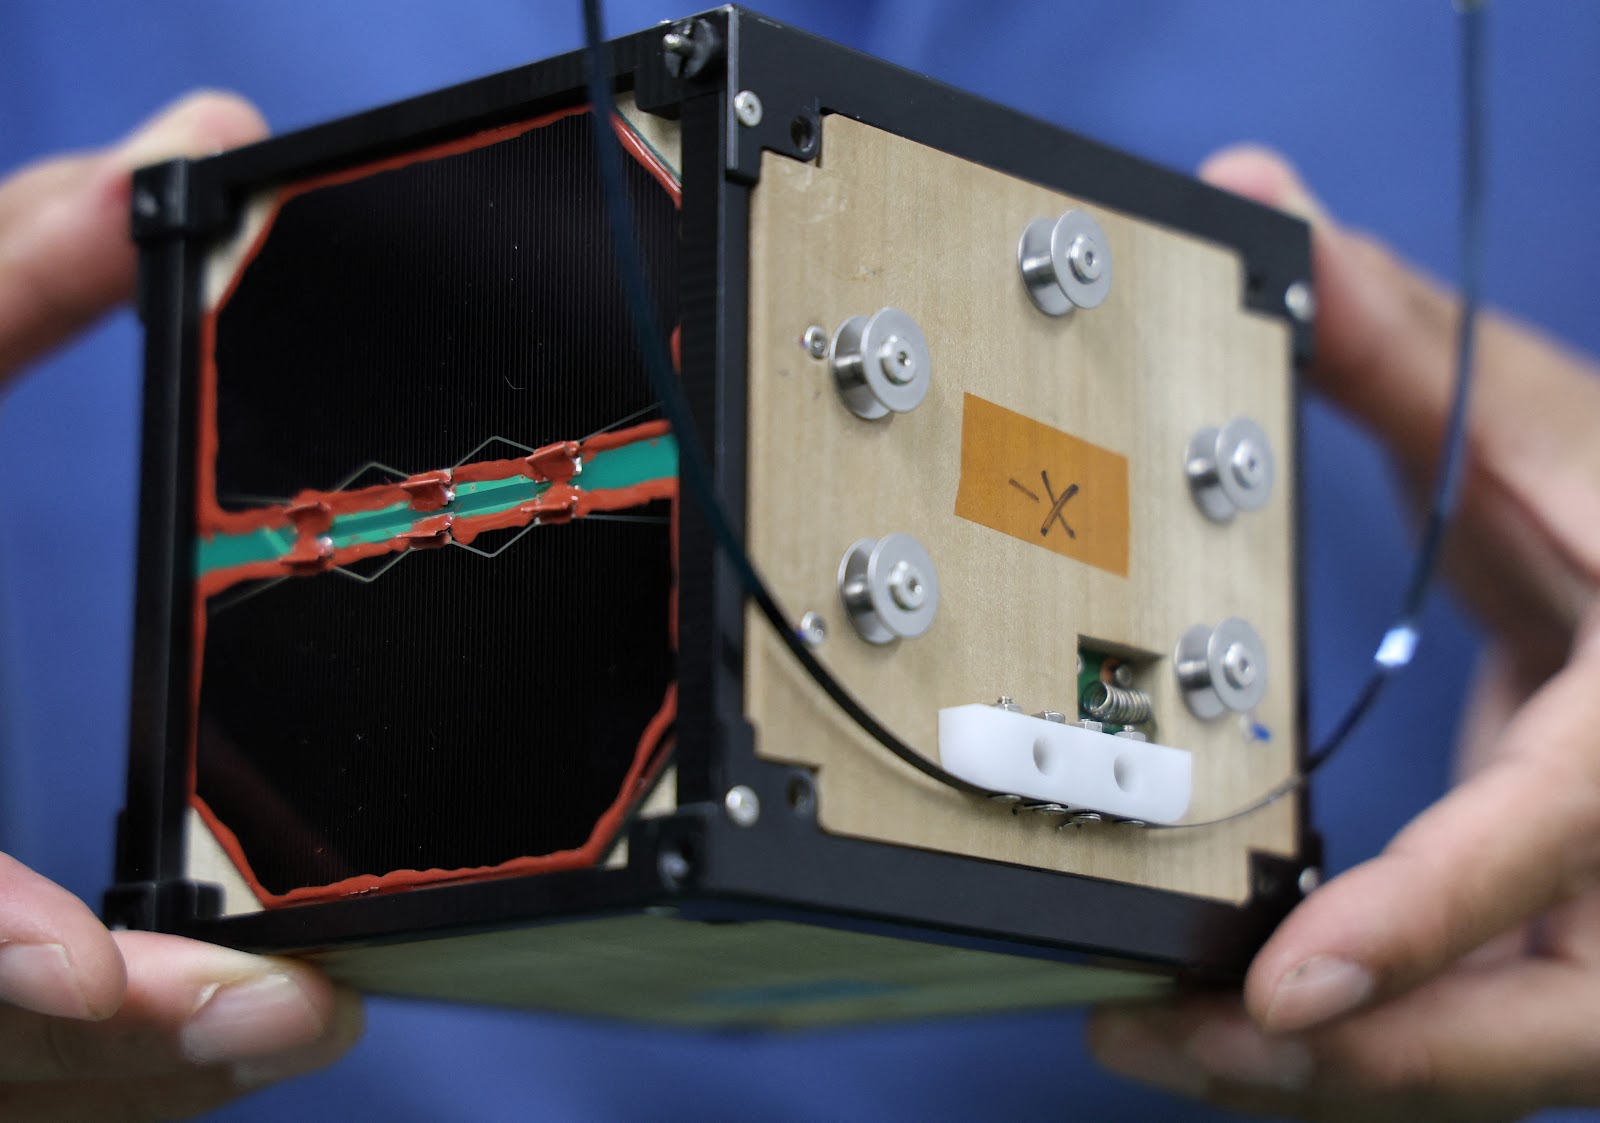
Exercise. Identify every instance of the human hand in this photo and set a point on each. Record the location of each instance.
(1456, 975)
(126, 1025)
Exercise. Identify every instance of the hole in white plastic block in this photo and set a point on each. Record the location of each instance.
(1124, 772)
(1046, 757)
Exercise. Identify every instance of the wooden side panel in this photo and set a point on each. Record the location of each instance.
(884, 221)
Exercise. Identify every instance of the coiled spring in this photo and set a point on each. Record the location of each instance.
(1116, 705)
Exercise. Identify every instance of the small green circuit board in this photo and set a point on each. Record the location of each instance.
(1091, 668)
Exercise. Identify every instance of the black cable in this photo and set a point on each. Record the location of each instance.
(1399, 643)
(693, 465)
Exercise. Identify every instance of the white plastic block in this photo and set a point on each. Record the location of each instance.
(1059, 763)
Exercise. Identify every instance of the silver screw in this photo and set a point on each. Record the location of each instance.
(1310, 880)
(1008, 704)
(747, 107)
(678, 43)
(1239, 667)
(1123, 675)
(687, 46)
(813, 628)
(1301, 304)
(1248, 465)
(896, 361)
(673, 867)
(146, 204)
(906, 587)
(815, 341)
(744, 807)
(1086, 260)
(1053, 715)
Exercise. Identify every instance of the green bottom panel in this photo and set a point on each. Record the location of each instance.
(765, 974)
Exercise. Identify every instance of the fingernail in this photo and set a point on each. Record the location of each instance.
(346, 1028)
(153, 142)
(40, 977)
(182, 128)
(1239, 1052)
(1266, 176)
(1301, 203)
(1318, 990)
(253, 1018)
(1125, 1046)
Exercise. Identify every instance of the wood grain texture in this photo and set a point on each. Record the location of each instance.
(884, 221)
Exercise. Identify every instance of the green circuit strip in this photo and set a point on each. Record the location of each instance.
(623, 467)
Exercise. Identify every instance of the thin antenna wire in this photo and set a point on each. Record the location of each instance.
(693, 465)
(1399, 643)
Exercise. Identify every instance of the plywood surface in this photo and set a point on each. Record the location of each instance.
(883, 221)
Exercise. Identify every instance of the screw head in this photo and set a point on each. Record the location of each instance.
(1122, 675)
(1300, 302)
(815, 341)
(1239, 667)
(1309, 881)
(1009, 704)
(673, 867)
(687, 46)
(1088, 261)
(743, 806)
(813, 628)
(897, 360)
(907, 587)
(747, 107)
(1249, 465)
(146, 204)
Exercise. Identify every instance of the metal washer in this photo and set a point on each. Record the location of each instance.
(857, 356)
(866, 578)
(1230, 469)
(1201, 661)
(1045, 257)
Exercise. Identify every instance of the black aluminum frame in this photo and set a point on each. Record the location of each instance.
(695, 860)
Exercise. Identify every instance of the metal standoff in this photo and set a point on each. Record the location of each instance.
(889, 588)
(1222, 668)
(1230, 469)
(881, 363)
(1065, 263)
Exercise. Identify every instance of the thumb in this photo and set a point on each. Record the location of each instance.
(1450, 882)
(65, 253)
(1474, 1044)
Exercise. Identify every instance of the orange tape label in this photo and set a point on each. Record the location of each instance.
(1041, 485)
